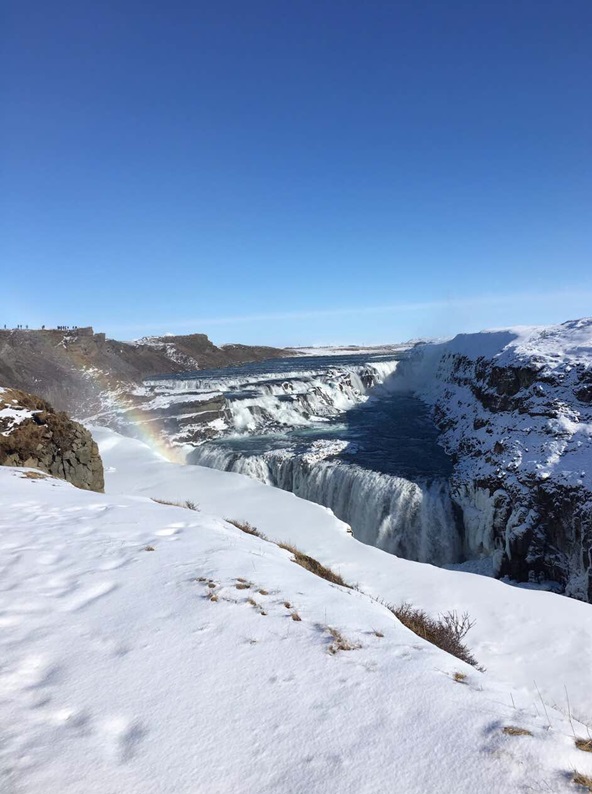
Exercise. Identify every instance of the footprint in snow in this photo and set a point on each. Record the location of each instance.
(167, 532)
(113, 564)
(10, 561)
(110, 645)
(122, 737)
(73, 719)
(31, 673)
(49, 558)
(88, 595)
(8, 620)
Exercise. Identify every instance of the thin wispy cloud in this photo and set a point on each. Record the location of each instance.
(471, 302)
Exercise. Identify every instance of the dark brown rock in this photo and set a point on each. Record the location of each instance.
(57, 445)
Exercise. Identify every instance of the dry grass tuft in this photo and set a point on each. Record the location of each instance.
(460, 677)
(340, 643)
(295, 616)
(188, 505)
(34, 475)
(212, 584)
(314, 566)
(244, 526)
(377, 633)
(263, 592)
(212, 597)
(257, 606)
(513, 730)
(446, 631)
(288, 605)
(584, 744)
(585, 781)
(243, 585)
(149, 548)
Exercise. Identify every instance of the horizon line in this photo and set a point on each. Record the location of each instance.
(305, 314)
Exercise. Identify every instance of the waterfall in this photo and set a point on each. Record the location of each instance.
(267, 400)
(365, 375)
(414, 520)
(278, 425)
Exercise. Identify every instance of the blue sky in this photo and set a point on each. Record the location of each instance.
(296, 171)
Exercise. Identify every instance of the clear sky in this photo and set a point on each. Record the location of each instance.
(296, 171)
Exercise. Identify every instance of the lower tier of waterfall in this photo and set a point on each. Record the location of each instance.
(415, 520)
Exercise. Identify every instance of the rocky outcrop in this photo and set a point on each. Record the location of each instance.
(515, 412)
(33, 435)
(77, 370)
(193, 352)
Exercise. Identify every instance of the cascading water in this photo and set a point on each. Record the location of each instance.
(324, 429)
(291, 398)
(414, 520)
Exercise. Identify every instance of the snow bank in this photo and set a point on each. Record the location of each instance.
(512, 624)
(150, 648)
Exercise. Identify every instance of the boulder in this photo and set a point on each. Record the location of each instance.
(35, 436)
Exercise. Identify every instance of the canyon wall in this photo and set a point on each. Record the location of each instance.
(515, 411)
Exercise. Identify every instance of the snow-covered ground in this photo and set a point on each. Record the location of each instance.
(12, 414)
(150, 648)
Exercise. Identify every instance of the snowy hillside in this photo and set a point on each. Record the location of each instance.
(155, 648)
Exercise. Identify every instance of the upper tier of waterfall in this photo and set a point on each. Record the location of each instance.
(264, 397)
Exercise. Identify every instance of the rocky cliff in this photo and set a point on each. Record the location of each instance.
(515, 411)
(33, 435)
(75, 369)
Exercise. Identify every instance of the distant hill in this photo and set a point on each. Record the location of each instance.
(72, 369)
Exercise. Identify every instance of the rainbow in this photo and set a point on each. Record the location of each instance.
(147, 430)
